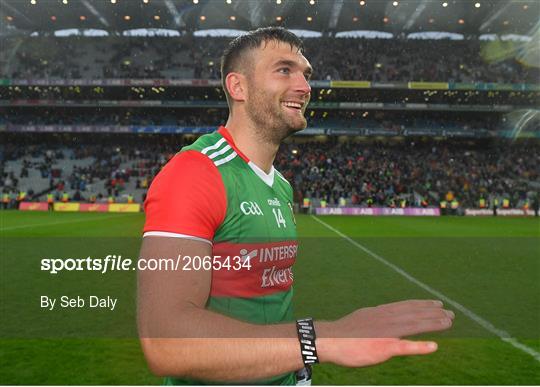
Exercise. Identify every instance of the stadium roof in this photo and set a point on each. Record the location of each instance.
(469, 17)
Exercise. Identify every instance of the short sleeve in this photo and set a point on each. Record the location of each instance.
(186, 199)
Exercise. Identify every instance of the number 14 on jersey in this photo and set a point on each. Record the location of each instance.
(279, 218)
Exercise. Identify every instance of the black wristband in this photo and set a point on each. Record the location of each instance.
(306, 335)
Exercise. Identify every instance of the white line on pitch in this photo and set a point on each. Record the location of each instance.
(66, 221)
(504, 336)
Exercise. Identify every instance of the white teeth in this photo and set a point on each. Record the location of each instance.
(293, 104)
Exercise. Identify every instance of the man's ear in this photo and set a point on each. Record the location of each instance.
(236, 86)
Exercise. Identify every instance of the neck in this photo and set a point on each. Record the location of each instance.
(244, 134)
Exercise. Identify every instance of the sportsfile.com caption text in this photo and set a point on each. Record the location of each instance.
(112, 263)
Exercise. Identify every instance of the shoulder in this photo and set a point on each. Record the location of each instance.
(282, 178)
(206, 143)
(186, 162)
(187, 197)
(216, 148)
(284, 183)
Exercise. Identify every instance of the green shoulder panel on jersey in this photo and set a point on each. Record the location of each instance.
(215, 146)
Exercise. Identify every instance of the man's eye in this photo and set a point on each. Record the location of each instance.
(284, 70)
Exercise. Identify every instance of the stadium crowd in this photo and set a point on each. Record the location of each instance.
(394, 172)
(381, 174)
(395, 122)
(113, 165)
(115, 117)
(211, 95)
(370, 173)
(187, 57)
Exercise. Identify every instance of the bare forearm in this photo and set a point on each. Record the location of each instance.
(226, 360)
(210, 346)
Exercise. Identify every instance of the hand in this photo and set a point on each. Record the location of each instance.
(398, 319)
(367, 352)
(372, 335)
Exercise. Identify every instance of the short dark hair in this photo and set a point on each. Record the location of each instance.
(230, 59)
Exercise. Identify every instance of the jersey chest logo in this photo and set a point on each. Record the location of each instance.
(251, 208)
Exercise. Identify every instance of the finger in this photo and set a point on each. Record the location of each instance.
(411, 305)
(424, 314)
(415, 327)
(407, 347)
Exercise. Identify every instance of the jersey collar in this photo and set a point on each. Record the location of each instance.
(267, 178)
(225, 133)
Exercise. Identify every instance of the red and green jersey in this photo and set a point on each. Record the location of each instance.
(212, 192)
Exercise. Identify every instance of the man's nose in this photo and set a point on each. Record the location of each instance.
(303, 85)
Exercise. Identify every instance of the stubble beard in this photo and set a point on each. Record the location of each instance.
(271, 123)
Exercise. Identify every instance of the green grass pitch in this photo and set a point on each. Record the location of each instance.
(490, 266)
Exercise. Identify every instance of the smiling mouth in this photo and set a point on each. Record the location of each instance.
(293, 105)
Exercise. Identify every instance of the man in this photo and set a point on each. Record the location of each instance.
(6, 198)
(50, 201)
(222, 197)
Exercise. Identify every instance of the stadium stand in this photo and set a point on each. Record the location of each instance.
(361, 172)
(391, 121)
(379, 60)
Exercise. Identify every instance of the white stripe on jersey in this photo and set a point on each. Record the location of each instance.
(220, 152)
(225, 159)
(174, 235)
(215, 146)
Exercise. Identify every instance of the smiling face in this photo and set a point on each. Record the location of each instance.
(277, 90)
